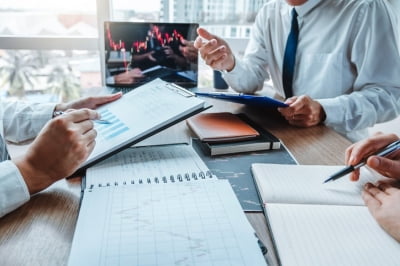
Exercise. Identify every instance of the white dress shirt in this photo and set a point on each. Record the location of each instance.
(347, 60)
(18, 122)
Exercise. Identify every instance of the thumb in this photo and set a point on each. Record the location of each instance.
(205, 34)
(291, 100)
(385, 166)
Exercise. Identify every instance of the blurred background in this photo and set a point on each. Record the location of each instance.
(49, 50)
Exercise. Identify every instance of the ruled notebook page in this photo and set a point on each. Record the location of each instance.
(300, 184)
(150, 164)
(330, 235)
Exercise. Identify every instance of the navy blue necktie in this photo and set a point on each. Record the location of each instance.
(289, 58)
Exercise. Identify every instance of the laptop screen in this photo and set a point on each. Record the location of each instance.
(138, 52)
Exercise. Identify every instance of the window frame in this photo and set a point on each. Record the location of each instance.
(48, 43)
(103, 12)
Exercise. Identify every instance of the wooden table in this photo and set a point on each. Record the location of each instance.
(41, 231)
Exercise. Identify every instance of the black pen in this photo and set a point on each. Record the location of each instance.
(99, 121)
(383, 152)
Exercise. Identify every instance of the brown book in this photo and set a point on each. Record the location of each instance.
(221, 127)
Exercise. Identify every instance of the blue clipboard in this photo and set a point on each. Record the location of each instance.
(262, 101)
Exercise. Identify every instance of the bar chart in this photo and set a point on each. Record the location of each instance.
(113, 129)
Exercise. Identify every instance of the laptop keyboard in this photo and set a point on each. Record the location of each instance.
(158, 73)
(120, 89)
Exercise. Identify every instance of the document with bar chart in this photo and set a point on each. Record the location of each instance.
(139, 114)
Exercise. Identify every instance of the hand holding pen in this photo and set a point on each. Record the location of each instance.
(92, 102)
(372, 152)
(99, 121)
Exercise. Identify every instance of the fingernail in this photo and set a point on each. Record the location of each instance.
(367, 185)
(374, 161)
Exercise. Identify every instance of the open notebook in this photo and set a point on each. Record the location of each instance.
(321, 224)
(160, 206)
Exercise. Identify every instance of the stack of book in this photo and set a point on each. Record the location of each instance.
(227, 133)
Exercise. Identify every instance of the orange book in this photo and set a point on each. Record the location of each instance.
(220, 127)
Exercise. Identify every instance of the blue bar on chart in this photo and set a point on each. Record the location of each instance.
(112, 130)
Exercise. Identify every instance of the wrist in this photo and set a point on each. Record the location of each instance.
(231, 64)
(59, 108)
(34, 179)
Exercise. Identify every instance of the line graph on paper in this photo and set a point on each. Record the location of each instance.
(169, 224)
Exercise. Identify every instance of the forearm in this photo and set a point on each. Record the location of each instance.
(362, 109)
(250, 72)
(376, 86)
(247, 76)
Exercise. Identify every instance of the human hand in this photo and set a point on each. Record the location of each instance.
(146, 56)
(178, 59)
(215, 51)
(188, 50)
(61, 146)
(303, 111)
(88, 102)
(388, 166)
(149, 56)
(128, 77)
(383, 203)
(169, 53)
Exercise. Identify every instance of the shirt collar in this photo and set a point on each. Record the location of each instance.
(306, 7)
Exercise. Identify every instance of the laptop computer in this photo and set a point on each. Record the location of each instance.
(139, 52)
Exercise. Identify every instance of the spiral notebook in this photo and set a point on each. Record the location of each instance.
(161, 206)
(148, 165)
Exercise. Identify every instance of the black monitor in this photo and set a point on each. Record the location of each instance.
(138, 52)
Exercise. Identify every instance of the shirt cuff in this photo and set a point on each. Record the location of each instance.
(333, 111)
(235, 72)
(41, 114)
(13, 190)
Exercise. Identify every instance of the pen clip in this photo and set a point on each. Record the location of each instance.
(179, 90)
